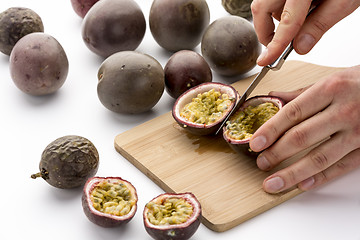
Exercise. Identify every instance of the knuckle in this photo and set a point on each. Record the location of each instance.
(293, 112)
(256, 6)
(291, 177)
(320, 25)
(298, 137)
(319, 160)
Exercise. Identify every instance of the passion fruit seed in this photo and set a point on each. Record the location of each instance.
(207, 107)
(171, 211)
(244, 123)
(112, 198)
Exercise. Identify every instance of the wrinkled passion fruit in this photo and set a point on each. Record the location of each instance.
(245, 121)
(109, 201)
(68, 162)
(241, 8)
(185, 69)
(172, 216)
(201, 109)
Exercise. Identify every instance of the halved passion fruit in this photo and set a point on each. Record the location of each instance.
(172, 216)
(109, 201)
(245, 121)
(201, 109)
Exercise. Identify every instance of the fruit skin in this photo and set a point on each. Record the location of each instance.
(99, 218)
(15, 23)
(68, 162)
(111, 26)
(130, 82)
(38, 64)
(230, 46)
(243, 146)
(178, 231)
(186, 97)
(81, 7)
(241, 8)
(178, 25)
(185, 69)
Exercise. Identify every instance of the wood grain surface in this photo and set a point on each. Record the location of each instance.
(228, 185)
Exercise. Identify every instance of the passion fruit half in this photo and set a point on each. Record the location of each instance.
(201, 109)
(172, 216)
(109, 201)
(247, 119)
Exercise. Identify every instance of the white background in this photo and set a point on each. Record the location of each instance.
(33, 209)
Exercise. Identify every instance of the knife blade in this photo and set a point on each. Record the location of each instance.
(274, 66)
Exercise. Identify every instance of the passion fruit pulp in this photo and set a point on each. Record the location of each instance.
(109, 201)
(247, 119)
(201, 109)
(68, 162)
(172, 216)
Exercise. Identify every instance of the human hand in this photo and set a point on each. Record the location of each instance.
(328, 110)
(291, 15)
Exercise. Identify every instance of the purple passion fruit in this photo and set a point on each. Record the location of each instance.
(180, 24)
(68, 162)
(230, 46)
(201, 109)
(245, 121)
(38, 64)
(241, 8)
(81, 7)
(185, 69)
(111, 26)
(172, 216)
(130, 82)
(109, 201)
(15, 23)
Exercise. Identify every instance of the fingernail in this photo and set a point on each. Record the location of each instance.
(274, 184)
(258, 143)
(262, 55)
(263, 163)
(307, 183)
(305, 43)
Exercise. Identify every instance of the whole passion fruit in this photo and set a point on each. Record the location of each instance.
(230, 46)
(130, 82)
(185, 69)
(111, 26)
(68, 162)
(247, 119)
(172, 216)
(180, 24)
(109, 201)
(201, 109)
(81, 7)
(15, 23)
(241, 8)
(38, 64)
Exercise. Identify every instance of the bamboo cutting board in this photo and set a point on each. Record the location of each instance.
(228, 185)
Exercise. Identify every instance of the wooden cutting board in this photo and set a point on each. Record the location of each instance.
(228, 185)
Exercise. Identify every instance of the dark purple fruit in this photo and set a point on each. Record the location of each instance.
(241, 8)
(81, 7)
(185, 69)
(230, 46)
(68, 162)
(172, 216)
(109, 201)
(178, 25)
(38, 64)
(201, 109)
(111, 26)
(130, 82)
(247, 119)
(15, 23)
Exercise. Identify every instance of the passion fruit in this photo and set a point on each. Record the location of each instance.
(81, 7)
(241, 8)
(130, 82)
(15, 23)
(185, 69)
(201, 109)
(173, 216)
(180, 24)
(230, 46)
(109, 201)
(247, 119)
(68, 162)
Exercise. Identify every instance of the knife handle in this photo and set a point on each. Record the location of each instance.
(280, 61)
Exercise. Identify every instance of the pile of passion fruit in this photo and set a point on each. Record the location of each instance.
(131, 82)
